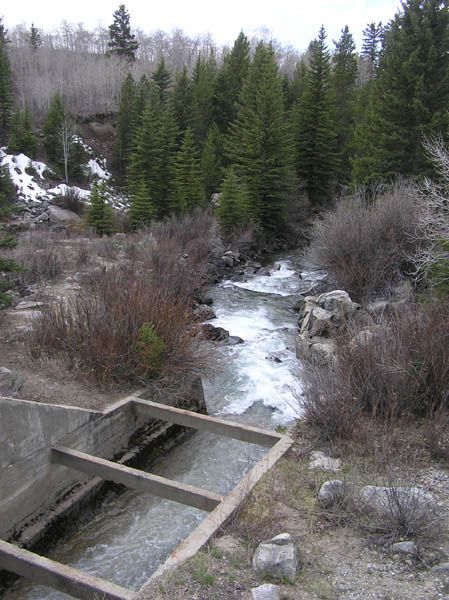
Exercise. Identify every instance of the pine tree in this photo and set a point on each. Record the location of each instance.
(372, 45)
(169, 144)
(203, 98)
(22, 138)
(122, 42)
(233, 210)
(316, 152)
(6, 87)
(142, 210)
(189, 187)
(229, 82)
(162, 79)
(211, 161)
(182, 100)
(100, 216)
(260, 146)
(410, 95)
(294, 87)
(7, 191)
(34, 37)
(52, 124)
(125, 122)
(344, 78)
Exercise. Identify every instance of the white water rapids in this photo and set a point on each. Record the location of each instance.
(133, 533)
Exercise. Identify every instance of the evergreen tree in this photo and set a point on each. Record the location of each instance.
(344, 78)
(34, 37)
(125, 121)
(169, 145)
(229, 82)
(162, 79)
(316, 152)
(372, 45)
(100, 216)
(189, 187)
(6, 88)
(203, 98)
(233, 210)
(294, 87)
(410, 95)
(142, 210)
(122, 42)
(7, 191)
(260, 146)
(211, 161)
(182, 100)
(51, 128)
(22, 138)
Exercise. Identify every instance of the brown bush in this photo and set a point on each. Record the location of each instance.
(363, 243)
(400, 370)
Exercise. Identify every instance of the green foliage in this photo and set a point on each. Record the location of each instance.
(149, 351)
(315, 130)
(211, 161)
(52, 124)
(189, 187)
(344, 78)
(9, 266)
(125, 121)
(22, 138)
(233, 210)
(182, 100)
(203, 98)
(5, 301)
(6, 89)
(409, 96)
(438, 277)
(100, 216)
(260, 146)
(7, 192)
(122, 42)
(162, 79)
(142, 208)
(372, 46)
(34, 37)
(294, 88)
(8, 241)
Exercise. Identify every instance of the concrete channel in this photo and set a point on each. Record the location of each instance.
(63, 461)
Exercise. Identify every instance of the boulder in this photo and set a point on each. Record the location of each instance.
(441, 569)
(392, 501)
(62, 215)
(267, 591)
(203, 313)
(316, 350)
(216, 334)
(406, 548)
(234, 340)
(277, 558)
(228, 261)
(320, 462)
(331, 492)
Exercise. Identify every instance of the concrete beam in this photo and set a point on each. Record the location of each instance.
(136, 479)
(58, 576)
(187, 418)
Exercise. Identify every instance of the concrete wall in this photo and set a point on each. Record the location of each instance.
(29, 484)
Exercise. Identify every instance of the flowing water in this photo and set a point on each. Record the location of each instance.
(134, 532)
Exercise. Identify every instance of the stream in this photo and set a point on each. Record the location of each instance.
(134, 532)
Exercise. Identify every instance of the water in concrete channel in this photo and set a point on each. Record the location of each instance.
(134, 532)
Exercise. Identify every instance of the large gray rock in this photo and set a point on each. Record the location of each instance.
(62, 215)
(406, 548)
(203, 313)
(323, 314)
(320, 462)
(268, 591)
(393, 501)
(331, 492)
(316, 350)
(277, 558)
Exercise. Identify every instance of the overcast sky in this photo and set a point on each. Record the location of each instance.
(293, 22)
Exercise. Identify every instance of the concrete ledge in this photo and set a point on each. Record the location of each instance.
(136, 479)
(187, 418)
(61, 577)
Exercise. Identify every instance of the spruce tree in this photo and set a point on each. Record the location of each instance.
(294, 87)
(51, 128)
(211, 161)
(229, 82)
(122, 42)
(260, 146)
(142, 210)
(6, 87)
(233, 210)
(344, 79)
(100, 216)
(162, 79)
(169, 145)
(34, 37)
(182, 101)
(125, 122)
(22, 138)
(189, 187)
(315, 135)
(7, 191)
(372, 46)
(203, 98)
(410, 95)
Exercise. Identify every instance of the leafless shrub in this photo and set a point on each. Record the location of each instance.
(71, 200)
(365, 244)
(401, 370)
(436, 436)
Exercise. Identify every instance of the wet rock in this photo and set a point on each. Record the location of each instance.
(254, 264)
(203, 313)
(320, 462)
(234, 340)
(407, 548)
(277, 558)
(331, 492)
(205, 299)
(228, 261)
(274, 359)
(235, 255)
(216, 334)
(264, 271)
(267, 591)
